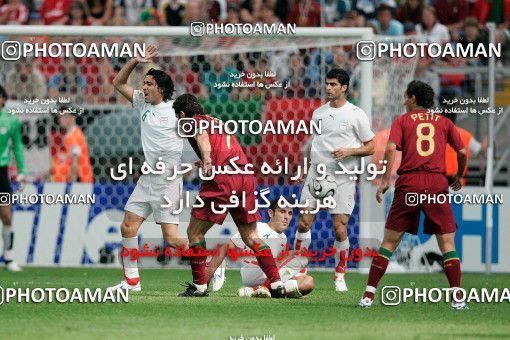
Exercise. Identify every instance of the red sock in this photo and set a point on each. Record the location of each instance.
(377, 270)
(451, 267)
(340, 267)
(198, 264)
(268, 266)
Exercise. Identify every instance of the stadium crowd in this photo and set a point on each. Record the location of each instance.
(442, 21)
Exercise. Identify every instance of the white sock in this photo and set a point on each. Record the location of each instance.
(305, 238)
(341, 246)
(201, 288)
(8, 238)
(130, 267)
(292, 286)
(276, 284)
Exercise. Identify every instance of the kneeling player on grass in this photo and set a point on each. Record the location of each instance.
(296, 282)
(216, 148)
(422, 137)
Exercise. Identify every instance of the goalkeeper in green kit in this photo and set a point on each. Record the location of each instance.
(10, 131)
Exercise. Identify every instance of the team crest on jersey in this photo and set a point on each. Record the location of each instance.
(163, 120)
(343, 126)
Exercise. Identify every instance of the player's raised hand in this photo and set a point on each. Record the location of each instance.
(150, 53)
(381, 190)
(22, 180)
(341, 153)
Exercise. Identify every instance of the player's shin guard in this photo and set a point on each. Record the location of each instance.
(451, 265)
(129, 267)
(377, 270)
(303, 240)
(198, 265)
(268, 266)
(8, 238)
(341, 255)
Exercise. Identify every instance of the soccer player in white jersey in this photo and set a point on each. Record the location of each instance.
(297, 283)
(160, 143)
(346, 137)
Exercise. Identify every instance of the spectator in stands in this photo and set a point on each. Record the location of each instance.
(426, 75)
(250, 10)
(54, 12)
(431, 28)
(410, 11)
(100, 10)
(133, 9)
(77, 14)
(335, 10)
(305, 13)
(299, 84)
(69, 82)
(25, 81)
(496, 11)
(173, 13)
(368, 8)
(267, 15)
(472, 34)
(150, 17)
(352, 19)
(282, 9)
(194, 11)
(14, 12)
(118, 18)
(217, 73)
(213, 10)
(384, 23)
(451, 13)
(232, 14)
(71, 162)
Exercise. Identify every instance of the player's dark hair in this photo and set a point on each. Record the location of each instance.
(188, 104)
(423, 93)
(383, 8)
(274, 203)
(3, 93)
(164, 81)
(341, 75)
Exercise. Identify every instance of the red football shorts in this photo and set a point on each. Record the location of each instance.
(405, 210)
(219, 190)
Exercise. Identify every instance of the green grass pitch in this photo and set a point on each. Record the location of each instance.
(157, 312)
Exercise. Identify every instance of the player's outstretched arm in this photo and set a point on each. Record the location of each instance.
(217, 261)
(461, 161)
(389, 157)
(120, 80)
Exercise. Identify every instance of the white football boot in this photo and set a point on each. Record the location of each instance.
(123, 285)
(13, 267)
(218, 278)
(340, 285)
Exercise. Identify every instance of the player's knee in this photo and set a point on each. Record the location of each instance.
(340, 231)
(304, 224)
(307, 285)
(129, 228)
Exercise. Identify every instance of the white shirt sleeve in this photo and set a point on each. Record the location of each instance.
(362, 128)
(474, 147)
(138, 100)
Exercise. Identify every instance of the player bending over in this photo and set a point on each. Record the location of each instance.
(217, 149)
(159, 140)
(296, 284)
(11, 131)
(422, 138)
(346, 136)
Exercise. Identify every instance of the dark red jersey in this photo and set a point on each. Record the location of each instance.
(223, 146)
(422, 138)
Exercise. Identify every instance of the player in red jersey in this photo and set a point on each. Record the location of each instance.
(422, 138)
(216, 148)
